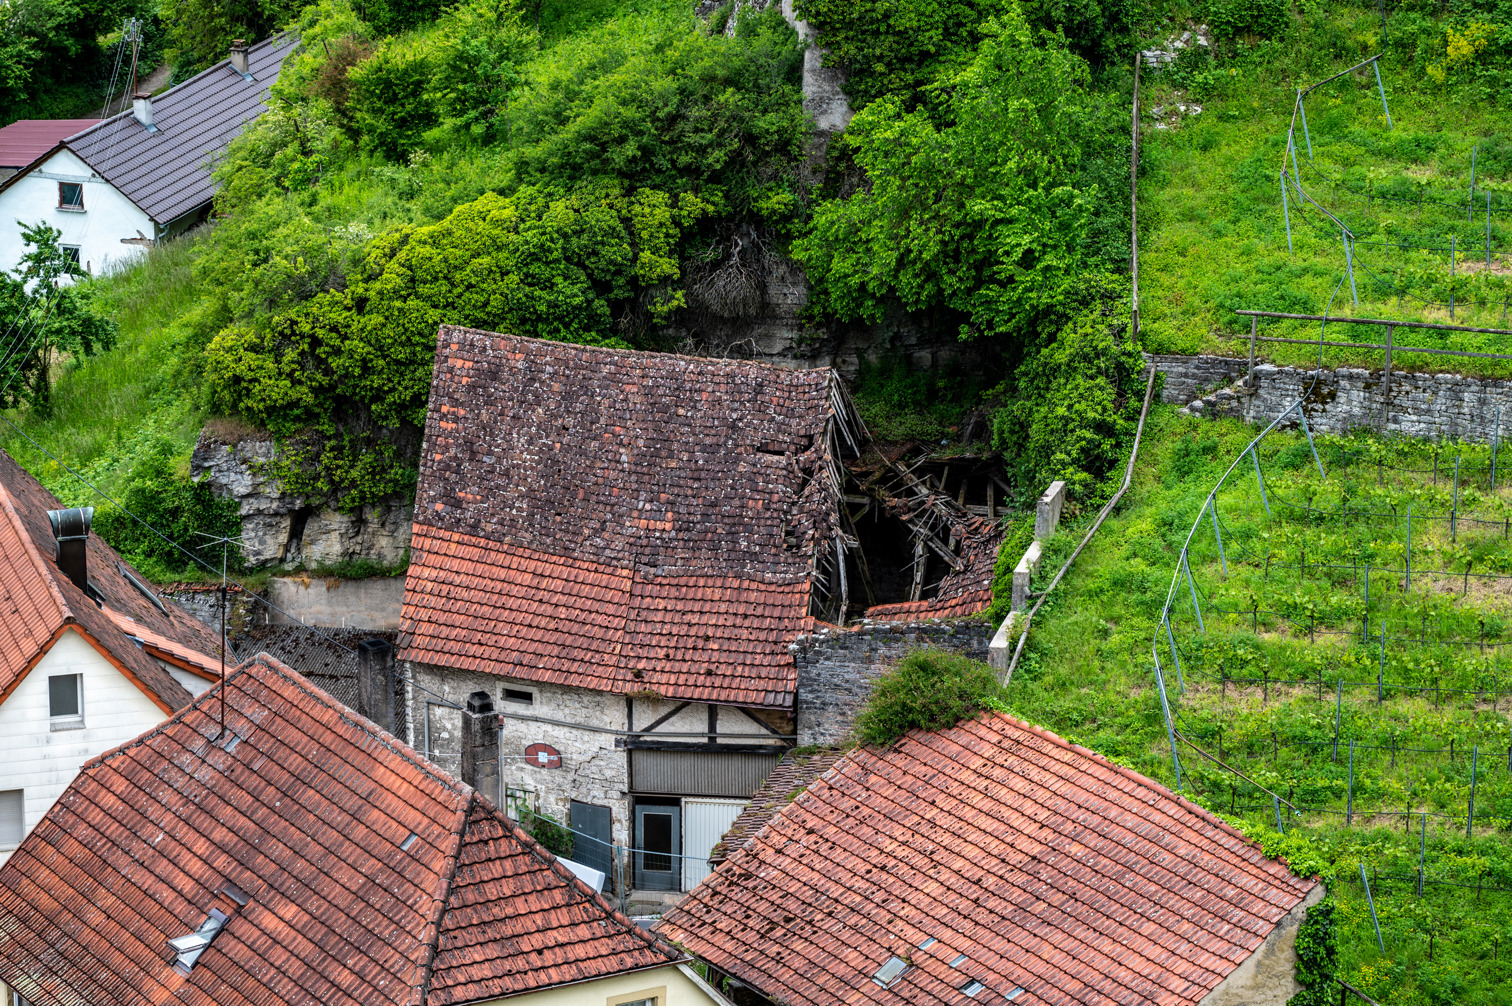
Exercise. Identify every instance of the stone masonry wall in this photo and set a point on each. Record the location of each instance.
(836, 667)
(1345, 398)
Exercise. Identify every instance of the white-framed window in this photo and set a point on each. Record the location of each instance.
(65, 701)
(71, 196)
(73, 258)
(12, 817)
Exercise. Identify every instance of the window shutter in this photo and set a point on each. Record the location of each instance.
(12, 816)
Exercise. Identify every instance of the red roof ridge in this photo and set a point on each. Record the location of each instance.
(36, 557)
(430, 942)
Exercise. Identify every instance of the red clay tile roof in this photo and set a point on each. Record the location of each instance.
(791, 776)
(1050, 868)
(305, 807)
(619, 520)
(37, 601)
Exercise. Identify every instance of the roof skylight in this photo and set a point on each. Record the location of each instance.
(1014, 994)
(189, 947)
(971, 988)
(958, 961)
(890, 972)
(928, 943)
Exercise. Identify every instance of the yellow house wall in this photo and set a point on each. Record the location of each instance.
(676, 985)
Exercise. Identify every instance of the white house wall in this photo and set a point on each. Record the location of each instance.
(43, 761)
(108, 215)
(675, 985)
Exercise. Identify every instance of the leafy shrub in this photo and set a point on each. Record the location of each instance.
(655, 103)
(982, 217)
(479, 62)
(551, 833)
(1073, 405)
(1233, 18)
(200, 32)
(158, 490)
(391, 99)
(1317, 956)
(927, 690)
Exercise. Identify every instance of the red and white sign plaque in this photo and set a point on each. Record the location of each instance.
(543, 756)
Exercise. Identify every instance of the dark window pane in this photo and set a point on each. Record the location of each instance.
(71, 257)
(63, 695)
(71, 194)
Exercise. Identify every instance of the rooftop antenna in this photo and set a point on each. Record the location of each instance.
(225, 543)
(134, 26)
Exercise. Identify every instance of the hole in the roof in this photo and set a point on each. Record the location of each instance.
(404, 846)
(890, 971)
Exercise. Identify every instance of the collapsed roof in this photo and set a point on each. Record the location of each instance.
(629, 521)
(991, 856)
(347, 869)
(38, 603)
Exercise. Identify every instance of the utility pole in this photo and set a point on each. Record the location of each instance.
(134, 31)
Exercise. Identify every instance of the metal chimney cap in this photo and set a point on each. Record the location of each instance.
(73, 524)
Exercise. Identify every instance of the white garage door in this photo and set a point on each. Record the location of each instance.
(704, 824)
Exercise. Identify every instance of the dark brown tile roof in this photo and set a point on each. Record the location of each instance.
(308, 809)
(167, 173)
(791, 776)
(327, 656)
(619, 520)
(28, 139)
(38, 602)
(1048, 867)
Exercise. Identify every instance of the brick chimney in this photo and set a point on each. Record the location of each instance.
(71, 529)
(239, 56)
(141, 109)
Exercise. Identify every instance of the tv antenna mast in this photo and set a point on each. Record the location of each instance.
(225, 543)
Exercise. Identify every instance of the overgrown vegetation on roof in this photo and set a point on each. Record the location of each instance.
(927, 690)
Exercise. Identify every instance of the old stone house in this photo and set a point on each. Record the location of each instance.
(624, 559)
(991, 862)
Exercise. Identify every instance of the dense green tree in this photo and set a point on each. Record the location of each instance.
(984, 216)
(200, 32)
(45, 320)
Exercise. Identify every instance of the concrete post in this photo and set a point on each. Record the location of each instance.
(375, 681)
(1021, 574)
(1047, 512)
(480, 746)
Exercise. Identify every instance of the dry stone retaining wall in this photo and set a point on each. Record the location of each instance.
(1437, 405)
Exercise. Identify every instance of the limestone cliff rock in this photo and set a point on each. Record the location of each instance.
(284, 529)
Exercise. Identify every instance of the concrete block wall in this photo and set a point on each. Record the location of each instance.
(1426, 405)
(836, 667)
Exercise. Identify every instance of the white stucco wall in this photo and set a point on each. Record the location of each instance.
(675, 985)
(43, 761)
(192, 683)
(108, 215)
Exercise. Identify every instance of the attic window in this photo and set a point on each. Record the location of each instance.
(890, 972)
(188, 948)
(519, 695)
(145, 590)
(71, 196)
(971, 989)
